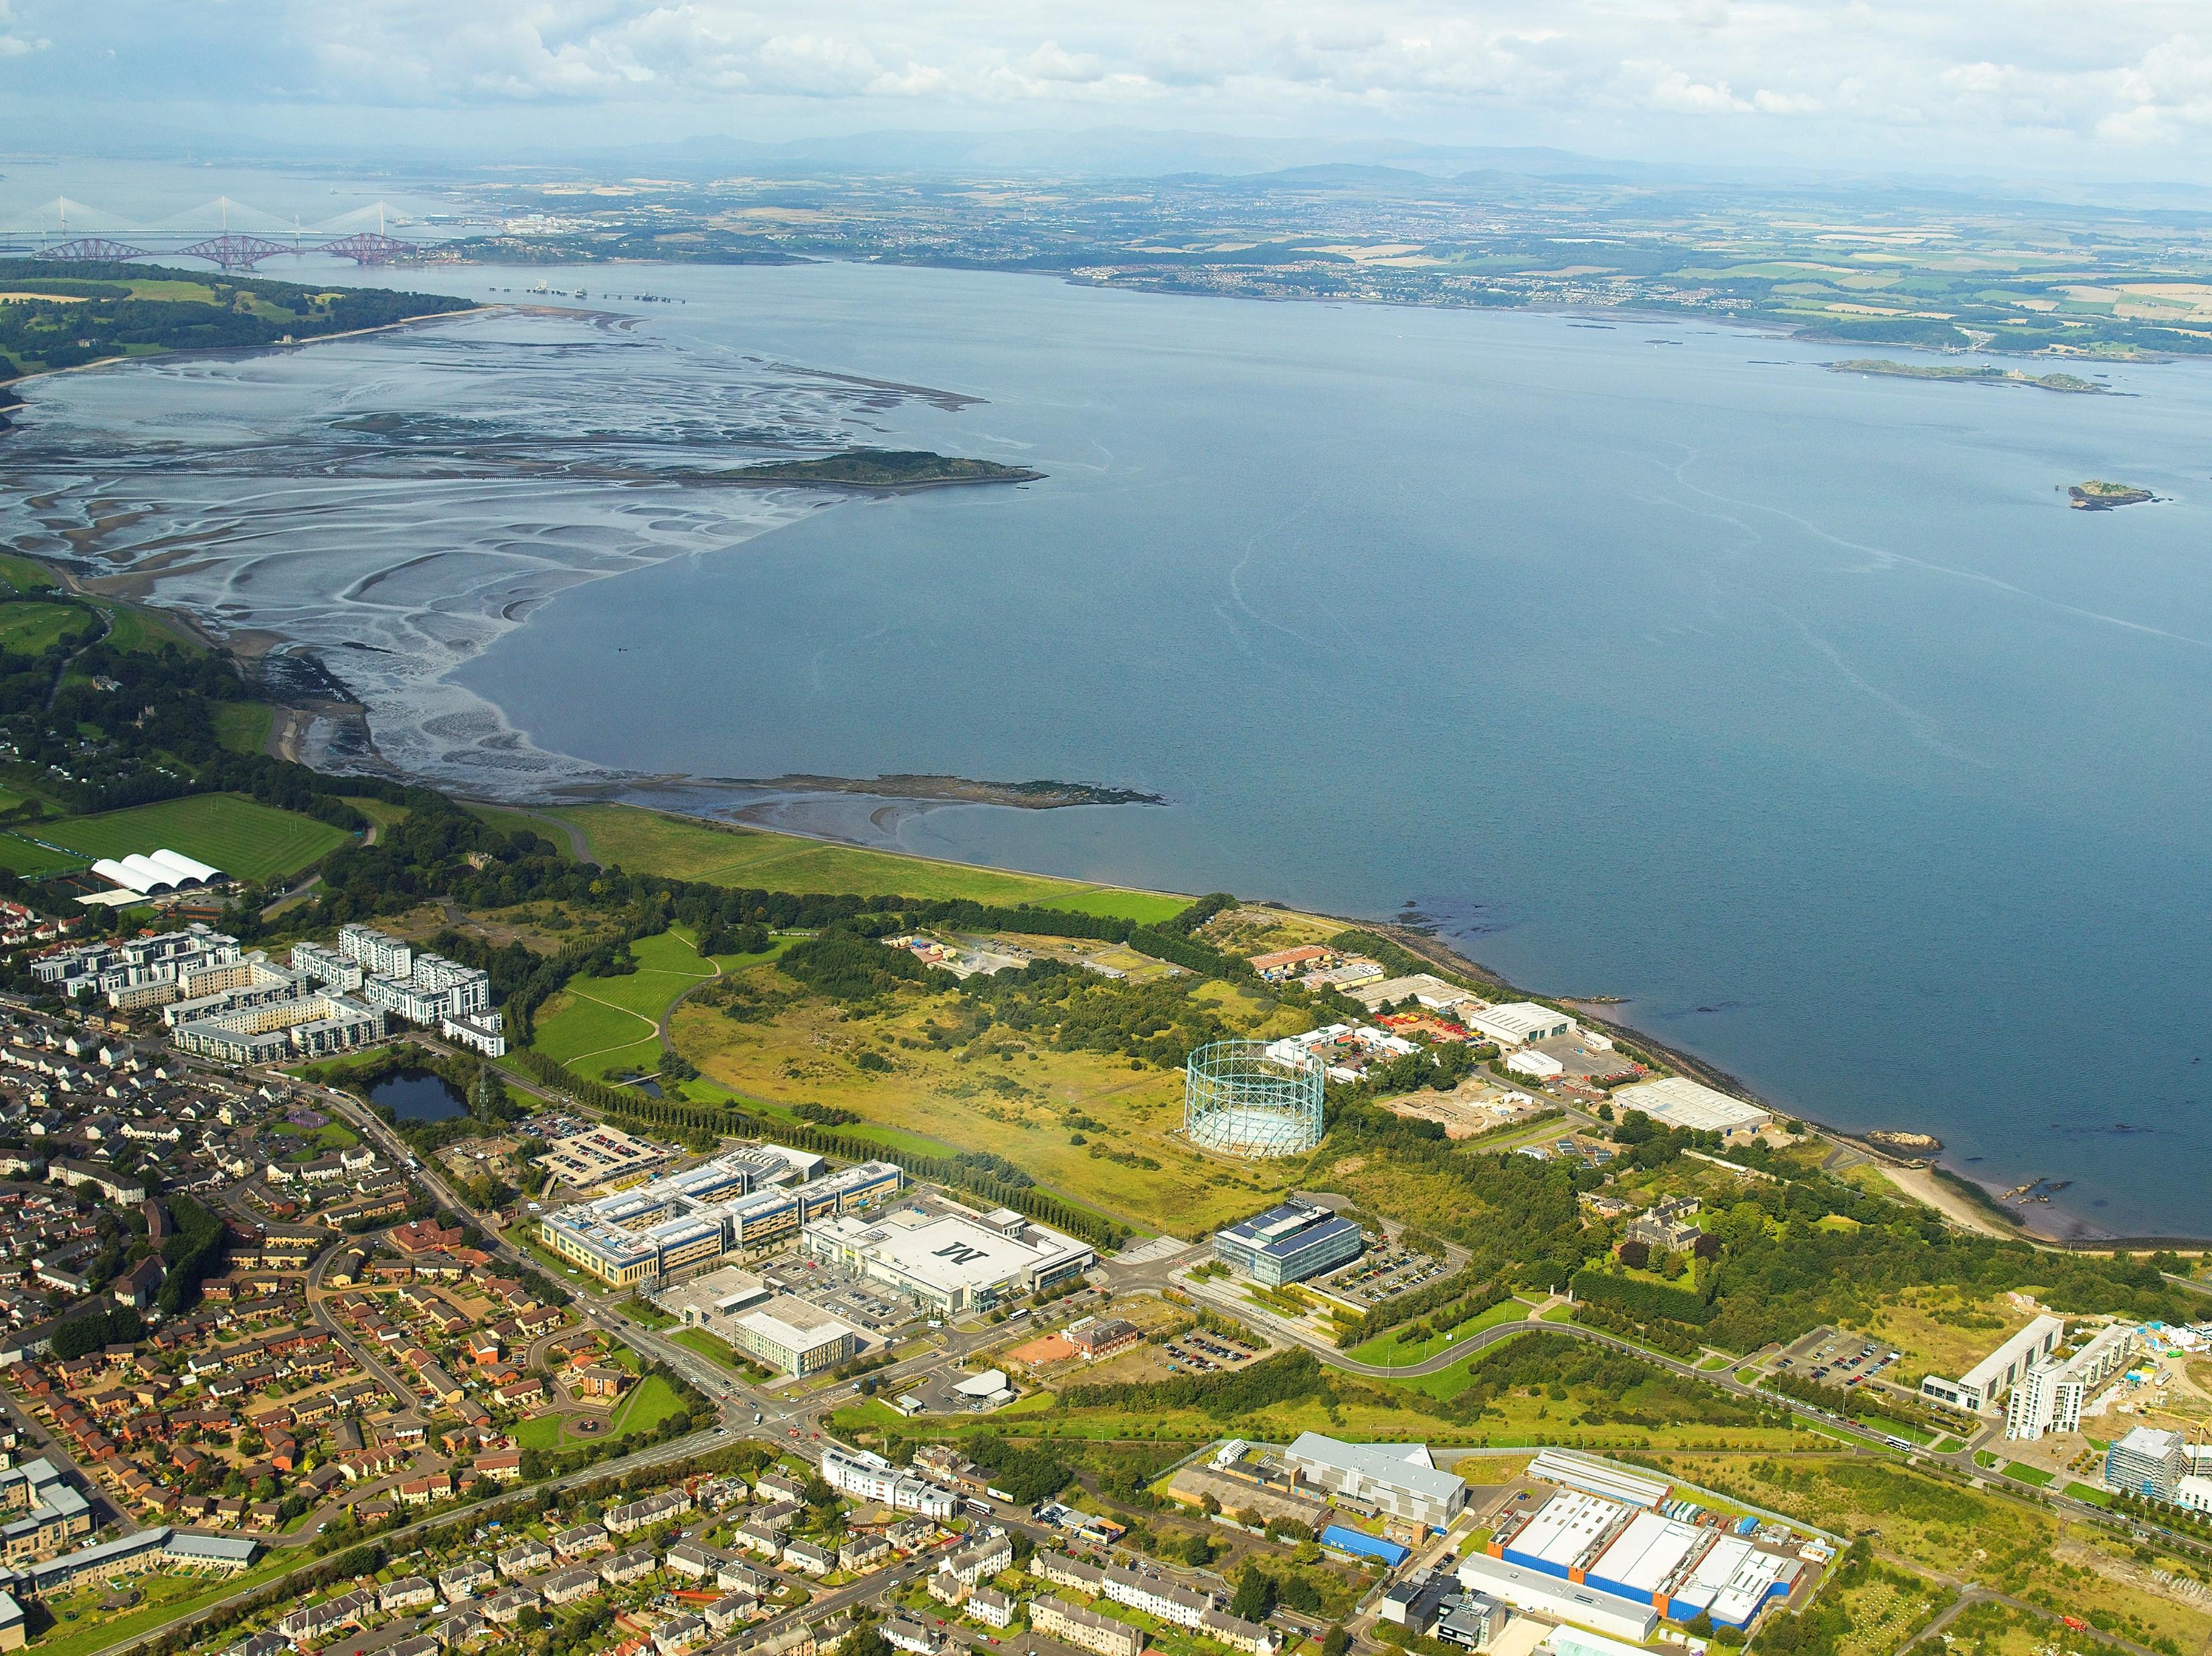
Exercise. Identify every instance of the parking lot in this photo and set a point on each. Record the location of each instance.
(1828, 1356)
(1380, 1273)
(1204, 1353)
(842, 1292)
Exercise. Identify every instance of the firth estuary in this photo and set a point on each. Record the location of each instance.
(1646, 659)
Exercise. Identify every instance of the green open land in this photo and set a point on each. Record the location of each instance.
(712, 1347)
(99, 311)
(244, 726)
(29, 627)
(1001, 1090)
(650, 1402)
(606, 1025)
(21, 856)
(24, 575)
(132, 628)
(1393, 1348)
(237, 835)
(1532, 1390)
(688, 848)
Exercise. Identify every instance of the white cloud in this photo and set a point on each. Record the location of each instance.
(13, 44)
(1676, 93)
(1948, 79)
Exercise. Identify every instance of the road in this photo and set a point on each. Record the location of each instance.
(797, 1423)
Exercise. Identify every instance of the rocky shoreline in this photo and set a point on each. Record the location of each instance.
(961, 789)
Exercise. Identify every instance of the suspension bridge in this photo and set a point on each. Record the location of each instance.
(225, 233)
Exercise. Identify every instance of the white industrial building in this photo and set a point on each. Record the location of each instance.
(951, 1261)
(1679, 1102)
(1398, 1477)
(2050, 1396)
(1994, 1376)
(1518, 1022)
(1619, 1566)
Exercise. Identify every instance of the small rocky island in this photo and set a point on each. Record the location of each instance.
(1917, 1143)
(965, 789)
(2096, 496)
(1986, 374)
(882, 468)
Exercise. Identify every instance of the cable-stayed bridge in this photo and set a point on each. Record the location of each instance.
(225, 233)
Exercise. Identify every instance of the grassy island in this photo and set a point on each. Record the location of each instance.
(2097, 496)
(883, 468)
(1984, 375)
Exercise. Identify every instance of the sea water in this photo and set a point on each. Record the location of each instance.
(1647, 659)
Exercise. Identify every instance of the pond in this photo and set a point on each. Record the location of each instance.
(419, 1096)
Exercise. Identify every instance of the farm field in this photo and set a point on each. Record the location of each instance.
(243, 838)
(1013, 1101)
(2002, 1543)
(646, 841)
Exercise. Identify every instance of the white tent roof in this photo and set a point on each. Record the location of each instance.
(186, 868)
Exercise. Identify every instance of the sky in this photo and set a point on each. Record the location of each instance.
(2117, 88)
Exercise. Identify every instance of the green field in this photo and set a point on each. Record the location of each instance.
(243, 726)
(29, 627)
(539, 1432)
(603, 1025)
(644, 841)
(132, 629)
(1394, 1349)
(24, 576)
(652, 1401)
(712, 1347)
(20, 856)
(249, 840)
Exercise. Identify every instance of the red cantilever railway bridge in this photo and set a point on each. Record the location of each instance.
(231, 251)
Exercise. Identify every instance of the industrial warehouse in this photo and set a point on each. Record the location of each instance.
(1611, 1550)
(752, 1197)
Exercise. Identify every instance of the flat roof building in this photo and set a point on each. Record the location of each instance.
(953, 1261)
(2147, 1462)
(2050, 1396)
(1398, 1477)
(1679, 1102)
(1518, 1022)
(1636, 1562)
(794, 1336)
(690, 1220)
(1288, 1244)
(1994, 1376)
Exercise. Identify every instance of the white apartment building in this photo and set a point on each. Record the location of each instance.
(2050, 1397)
(870, 1477)
(1994, 1376)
